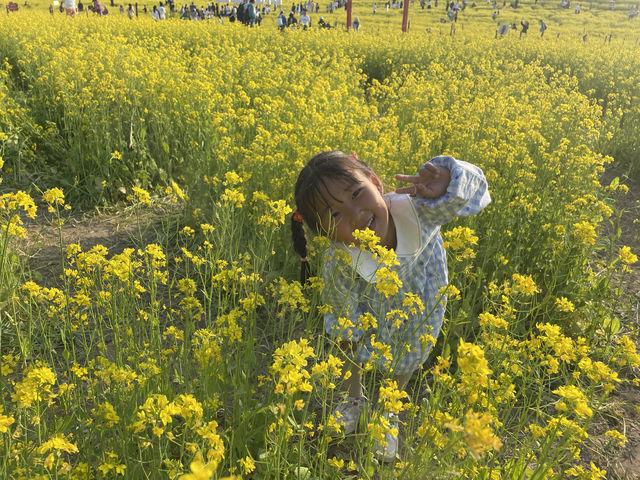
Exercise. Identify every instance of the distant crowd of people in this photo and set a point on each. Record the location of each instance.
(245, 12)
(503, 28)
(299, 16)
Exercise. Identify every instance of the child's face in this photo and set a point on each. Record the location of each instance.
(356, 206)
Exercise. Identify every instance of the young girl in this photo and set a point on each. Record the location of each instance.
(335, 195)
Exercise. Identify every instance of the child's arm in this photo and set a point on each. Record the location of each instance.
(449, 188)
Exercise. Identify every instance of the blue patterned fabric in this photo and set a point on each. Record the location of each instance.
(350, 281)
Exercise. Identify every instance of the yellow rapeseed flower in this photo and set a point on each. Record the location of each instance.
(247, 464)
(277, 214)
(564, 304)
(621, 440)
(459, 240)
(573, 399)
(141, 195)
(289, 367)
(108, 413)
(592, 473)
(473, 365)
(5, 421)
(585, 232)
(367, 239)
(36, 385)
(232, 178)
(626, 256)
(524, 284)
(58, 443)
(199, 470)
(53, 196)
(232, 197)
(492, 320)
(388, 282)
(391, 397)
(478, 434)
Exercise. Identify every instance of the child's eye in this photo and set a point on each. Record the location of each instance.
(356, 193)
(335, 215)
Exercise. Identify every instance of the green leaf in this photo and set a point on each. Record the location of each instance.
(611, 325)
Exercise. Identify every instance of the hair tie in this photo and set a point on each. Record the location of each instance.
(355, 155)
(297, 217)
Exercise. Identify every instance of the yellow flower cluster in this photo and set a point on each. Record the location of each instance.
(459, 241)
(627, 258)
(367, 240)
(387, 282)
(391, 397)
(573, 399)
(233, 197)
(475, 371)
(585, 232)
(10, 204)
(5, 421)
(564, 304)
(291, 295)
(289, 367)
(479, 436)
(278, 211)
(53, 196)
(524, 284)
(35, 386)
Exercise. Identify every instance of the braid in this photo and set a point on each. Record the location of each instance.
(300, 246)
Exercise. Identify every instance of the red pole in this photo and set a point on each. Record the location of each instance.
(405, 15)
(348, 15)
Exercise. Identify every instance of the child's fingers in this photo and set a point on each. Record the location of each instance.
(426, 190)
(411, 190)
(429, 170)
(408, 178)
(418, 188)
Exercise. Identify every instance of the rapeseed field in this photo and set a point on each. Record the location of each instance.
(198, 355)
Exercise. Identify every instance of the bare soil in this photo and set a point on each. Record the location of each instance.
(115, 230)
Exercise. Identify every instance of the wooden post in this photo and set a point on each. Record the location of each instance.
(405, 15)
(348, 15)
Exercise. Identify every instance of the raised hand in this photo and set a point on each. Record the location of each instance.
(431, 182)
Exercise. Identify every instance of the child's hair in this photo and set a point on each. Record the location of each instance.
(311, 188)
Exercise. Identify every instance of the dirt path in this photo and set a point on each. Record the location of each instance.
(114, 230)
(623, 404)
